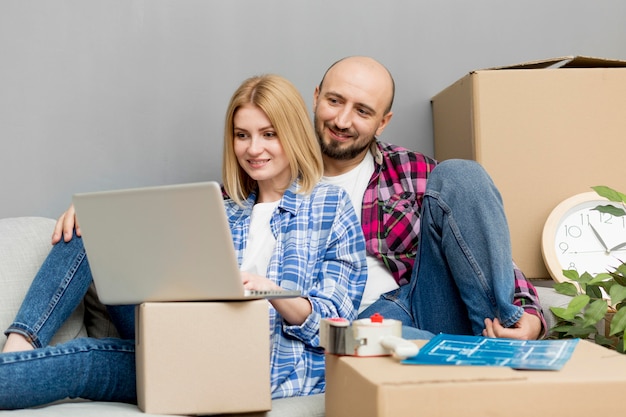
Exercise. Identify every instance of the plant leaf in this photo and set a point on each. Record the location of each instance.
(566, 288)
(609, 193)
(578, 303)
(612, 210)
(580, 331)
(574, 307)
(600, 278)
(618, 323)
(594, 291)
(562, 313)
(563, 328)
(585, 278)
(617, 293)
(595, 312)
(607, 284)
(571, 274)
(605, 341)
(620, 274)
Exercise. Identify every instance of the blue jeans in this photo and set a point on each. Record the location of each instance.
(96, 369)
(463, 271)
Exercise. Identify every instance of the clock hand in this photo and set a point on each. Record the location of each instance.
(576, 252)
(621, 245)
(595, 232)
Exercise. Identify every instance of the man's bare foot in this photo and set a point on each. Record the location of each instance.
(16, 343)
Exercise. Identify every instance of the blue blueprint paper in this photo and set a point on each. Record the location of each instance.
(445, 349)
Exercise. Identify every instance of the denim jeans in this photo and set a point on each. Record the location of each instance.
(96, 369)
(463, 270)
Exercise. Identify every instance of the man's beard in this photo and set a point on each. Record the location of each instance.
(335, 151)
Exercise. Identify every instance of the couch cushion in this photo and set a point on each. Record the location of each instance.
(308, 406)
(548, 297)
(24, 244)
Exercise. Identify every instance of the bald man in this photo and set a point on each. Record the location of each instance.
(438, 245)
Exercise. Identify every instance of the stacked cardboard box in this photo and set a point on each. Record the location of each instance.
(203, 357)
(544, 131)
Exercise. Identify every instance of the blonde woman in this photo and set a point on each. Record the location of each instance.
(288, 230)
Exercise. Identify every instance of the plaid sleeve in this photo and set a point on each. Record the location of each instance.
(526, 297)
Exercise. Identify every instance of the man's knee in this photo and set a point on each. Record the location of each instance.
(459, 175)
(458, 169)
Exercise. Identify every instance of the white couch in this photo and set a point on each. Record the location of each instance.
(25, 242)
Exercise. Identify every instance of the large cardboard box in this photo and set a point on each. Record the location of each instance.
(592, 382)
(203, 357)
(544, 131)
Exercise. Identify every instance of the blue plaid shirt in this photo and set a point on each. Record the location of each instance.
(320, 250)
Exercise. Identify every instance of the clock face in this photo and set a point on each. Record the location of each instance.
(584, 239)
(590, 241)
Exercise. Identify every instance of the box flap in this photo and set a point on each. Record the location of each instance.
(572, 61)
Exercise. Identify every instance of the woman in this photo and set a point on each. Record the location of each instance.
(288, 231)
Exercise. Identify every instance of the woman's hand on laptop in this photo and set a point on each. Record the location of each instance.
(293, 310)
(257, 282)
(66, 224)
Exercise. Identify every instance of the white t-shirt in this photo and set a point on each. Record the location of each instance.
(261, 241)
(379, 279)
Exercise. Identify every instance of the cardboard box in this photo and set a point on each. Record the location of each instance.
(544, 131)
(592, 382)
(203, 357)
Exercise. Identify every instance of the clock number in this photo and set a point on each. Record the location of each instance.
(583, 217)
(606, 218)
(572, 231)
(564, 247)
(572, 266)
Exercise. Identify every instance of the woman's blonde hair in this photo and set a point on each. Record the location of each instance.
(284, 107)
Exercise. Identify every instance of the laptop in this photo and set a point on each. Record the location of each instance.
(164, 243)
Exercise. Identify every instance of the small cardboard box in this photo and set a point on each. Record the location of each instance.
(544, 131)
(592, 382)
(203, 357)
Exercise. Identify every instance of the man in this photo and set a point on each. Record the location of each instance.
(437, 238)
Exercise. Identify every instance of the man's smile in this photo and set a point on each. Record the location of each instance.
(339, 135)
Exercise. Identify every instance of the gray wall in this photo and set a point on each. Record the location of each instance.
(103, 94)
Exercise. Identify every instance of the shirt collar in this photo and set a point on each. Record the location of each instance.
(376, 152)
(289, 202)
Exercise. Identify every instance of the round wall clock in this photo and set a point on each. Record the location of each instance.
(575, 236)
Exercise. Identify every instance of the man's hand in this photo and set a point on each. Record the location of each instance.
(527, 328)
(65, 226)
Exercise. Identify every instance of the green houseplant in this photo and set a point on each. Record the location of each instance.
(595, 297)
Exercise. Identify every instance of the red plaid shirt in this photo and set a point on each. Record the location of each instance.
(391, 217)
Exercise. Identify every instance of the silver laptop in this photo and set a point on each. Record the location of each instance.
(166, 243)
